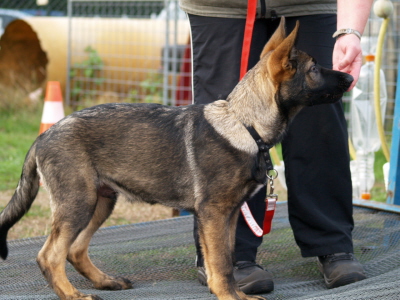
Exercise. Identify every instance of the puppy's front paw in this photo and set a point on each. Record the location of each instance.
(254, 298)
(85, 297)
(114, 283)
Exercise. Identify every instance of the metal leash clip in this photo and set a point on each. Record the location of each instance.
(271, 178)
(270, 201)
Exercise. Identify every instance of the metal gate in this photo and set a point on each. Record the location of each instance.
(127, 51)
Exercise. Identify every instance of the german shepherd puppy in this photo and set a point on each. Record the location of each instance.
(200, 158)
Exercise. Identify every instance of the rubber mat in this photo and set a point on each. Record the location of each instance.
(159, 257)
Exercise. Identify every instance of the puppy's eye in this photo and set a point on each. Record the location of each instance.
(313, 69)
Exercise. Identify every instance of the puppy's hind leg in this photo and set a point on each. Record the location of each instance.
(78, 253)
(71, 214)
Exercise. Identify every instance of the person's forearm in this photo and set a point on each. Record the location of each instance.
(353, 14)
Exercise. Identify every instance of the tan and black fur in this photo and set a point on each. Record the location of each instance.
(200, 158)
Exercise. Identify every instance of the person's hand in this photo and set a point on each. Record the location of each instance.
(347, 56)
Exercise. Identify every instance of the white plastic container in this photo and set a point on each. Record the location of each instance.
(364, 130)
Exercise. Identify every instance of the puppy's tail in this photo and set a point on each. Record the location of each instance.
(21, 201)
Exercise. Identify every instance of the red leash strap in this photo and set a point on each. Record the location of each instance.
(251, 222)
(248, 34)
(269, 214)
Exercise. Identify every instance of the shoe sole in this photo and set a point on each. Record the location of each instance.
(255, 287)
(344, 280)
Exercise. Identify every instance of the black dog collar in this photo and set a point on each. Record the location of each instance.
(262, 147)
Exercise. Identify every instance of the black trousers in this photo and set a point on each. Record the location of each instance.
(315, 149)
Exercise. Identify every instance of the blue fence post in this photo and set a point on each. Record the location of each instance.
(394, 172)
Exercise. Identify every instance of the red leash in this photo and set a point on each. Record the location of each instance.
(272, 198)
(248, 35)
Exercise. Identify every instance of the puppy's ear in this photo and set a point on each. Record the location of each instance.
(279, 62)
(276, 39)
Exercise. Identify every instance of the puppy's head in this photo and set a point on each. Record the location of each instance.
(298, 79)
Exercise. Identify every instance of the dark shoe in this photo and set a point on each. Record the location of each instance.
(340, 269)
(250, 277)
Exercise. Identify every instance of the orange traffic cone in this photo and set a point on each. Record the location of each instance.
(53, 110)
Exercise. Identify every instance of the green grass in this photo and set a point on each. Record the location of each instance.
(378, 192)
(18, 130)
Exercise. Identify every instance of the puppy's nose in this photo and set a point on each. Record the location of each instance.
(347, 78)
